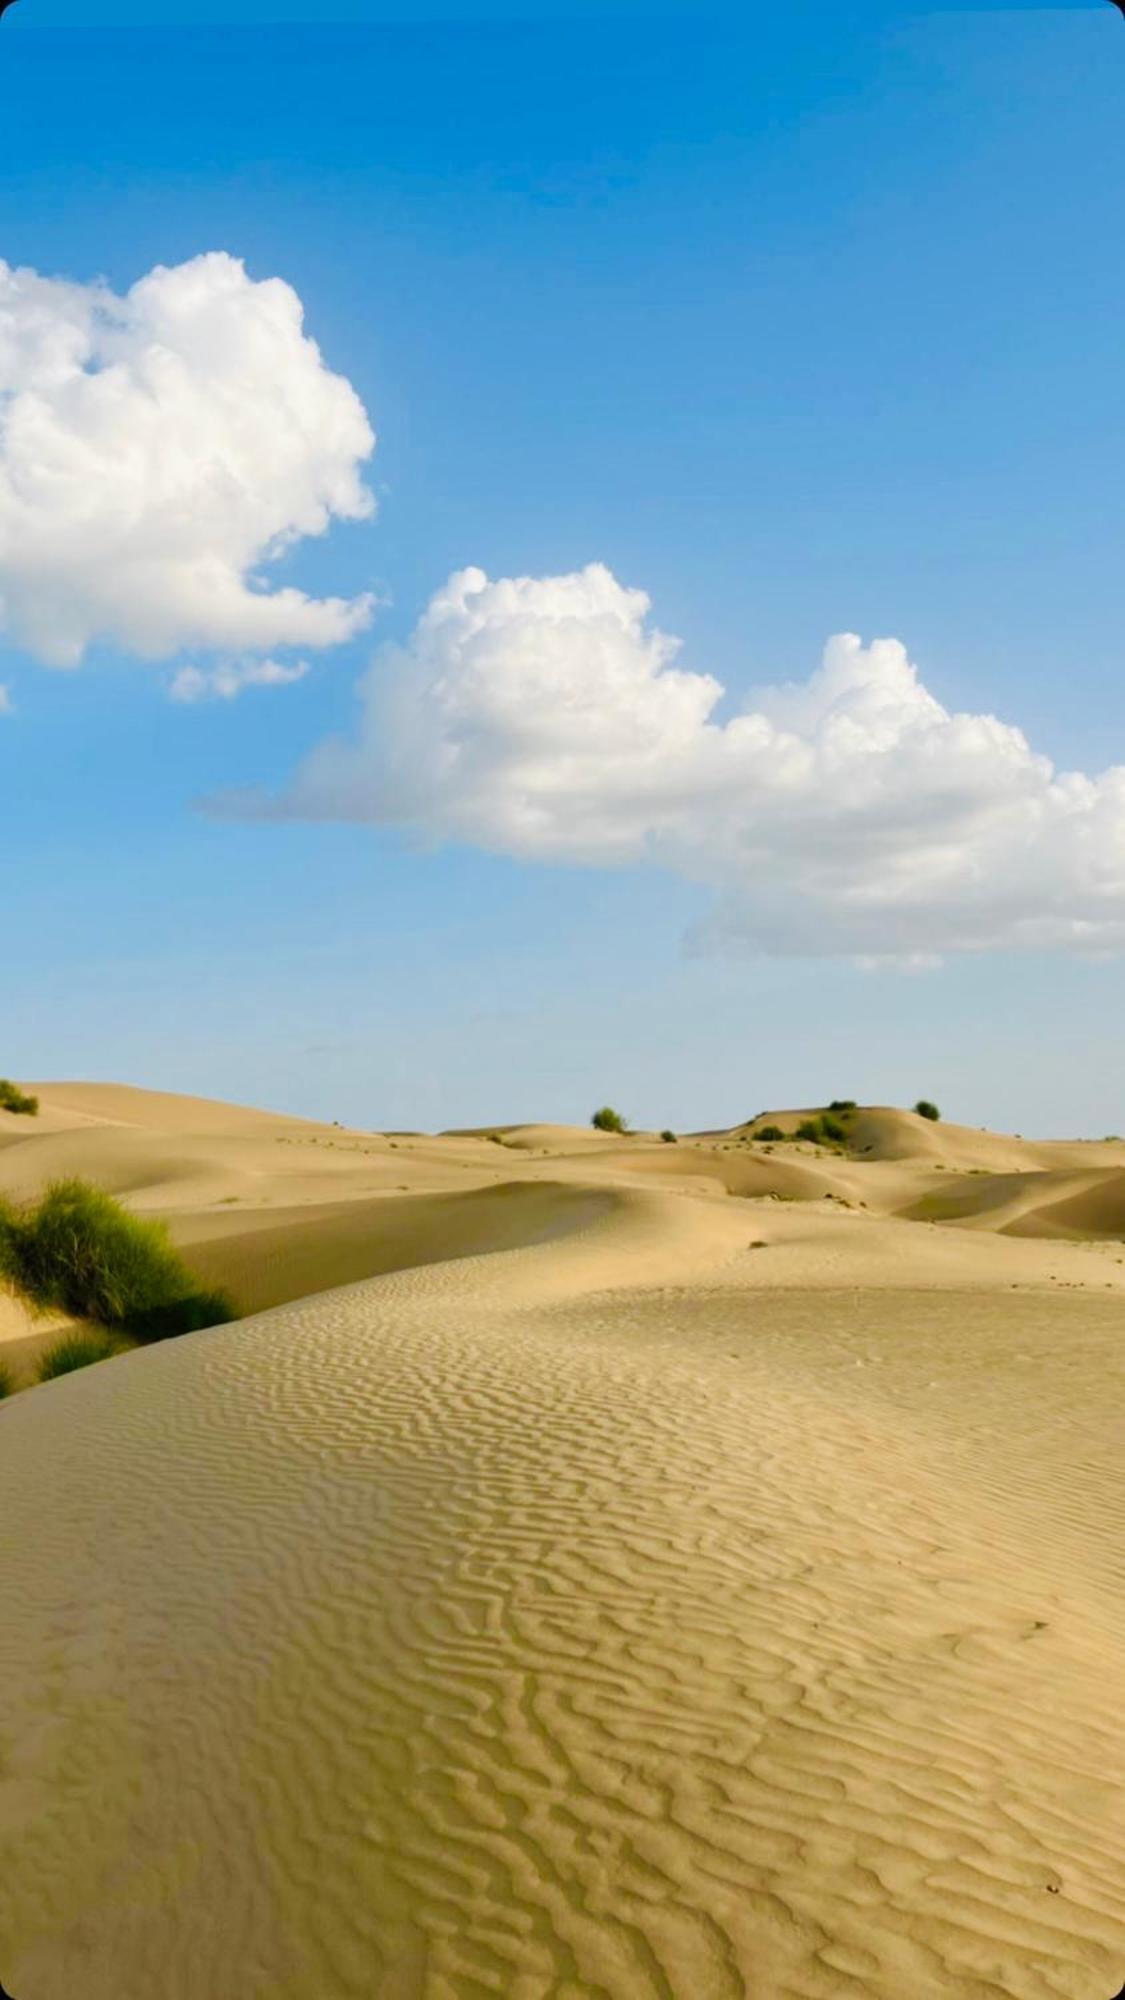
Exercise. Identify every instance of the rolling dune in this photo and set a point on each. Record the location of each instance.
(639, 1590)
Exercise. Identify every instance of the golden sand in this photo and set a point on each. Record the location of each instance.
(585, 1602)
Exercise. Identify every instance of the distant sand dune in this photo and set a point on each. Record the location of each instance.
(291, 1253)
(656, 1594)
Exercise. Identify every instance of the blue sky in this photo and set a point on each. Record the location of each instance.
(801, 326)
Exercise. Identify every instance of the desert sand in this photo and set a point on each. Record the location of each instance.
(599, 1568)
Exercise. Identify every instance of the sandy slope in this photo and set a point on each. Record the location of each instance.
(620, 1611)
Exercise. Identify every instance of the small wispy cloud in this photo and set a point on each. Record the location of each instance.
(231, 678)
(5, 700)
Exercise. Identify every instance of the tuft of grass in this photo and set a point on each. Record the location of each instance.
(167, 1321)
(9, 1223)
(71, 1352)
(79, 1252)
(823, 1130)
(608, 1120)
(832, 1129)
(772, 1132)
(12, 1098)
(927, 1110)
(669, 1138)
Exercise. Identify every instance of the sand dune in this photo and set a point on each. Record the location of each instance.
(283, 1254)
(653, 1592)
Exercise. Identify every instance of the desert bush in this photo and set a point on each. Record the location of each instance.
(608, 1120)
(8, 1222)
(823, 1130)
(773, 1132)
(843, 1104)
(669, 1138)
(12, 1098)
(927, 1110)
(79, 1252)
(188, 1314)
(73, 1351)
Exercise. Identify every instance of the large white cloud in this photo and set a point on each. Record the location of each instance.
(547, 718)
(155, 450)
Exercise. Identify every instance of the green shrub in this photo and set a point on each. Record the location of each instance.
(80, 1252)
(73, 1351)
(773, 1132)
(843, 1104)
(823, 1130)
(608, 1120)
(7, 1381)
(12, 1098)
(927, 1110)
(189, 1314)
(669, 1138)
(8, 1224)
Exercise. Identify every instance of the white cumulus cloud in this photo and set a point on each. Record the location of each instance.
(547, 718)
(229, 679)
(156, 449)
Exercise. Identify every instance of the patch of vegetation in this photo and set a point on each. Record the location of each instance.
(825, 1129)
(669, 1138)
(78, 1251)
(12, 1098)
(843, 1104)
(73, 1351)
(608, 1120)
(927, 1110)
(7, 1381)
(833, 1129)
(770, 1132)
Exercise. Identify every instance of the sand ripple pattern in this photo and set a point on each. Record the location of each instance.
(421, 1641)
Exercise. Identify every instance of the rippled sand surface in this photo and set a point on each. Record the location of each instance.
(590, 1619)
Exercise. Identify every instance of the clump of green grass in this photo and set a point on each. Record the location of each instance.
(12, 1098)
(927, 1110)
(73, 1351)
(608, 1120)
(823, 1130)
(78, 1251)
(9, 1217)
